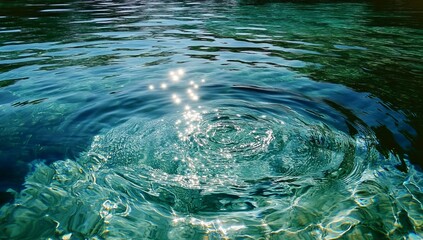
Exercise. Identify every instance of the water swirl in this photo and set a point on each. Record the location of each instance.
(221, 168)
(209, 120)
(238, 168)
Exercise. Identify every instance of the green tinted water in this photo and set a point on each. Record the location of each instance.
(210, 120)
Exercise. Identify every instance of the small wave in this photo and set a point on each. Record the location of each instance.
(221, 172)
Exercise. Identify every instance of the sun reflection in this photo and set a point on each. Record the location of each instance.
(192, 95)
(175, 77)
(189, 124)
(181, 72)
(223, 229)
(176, 99)
(190, 119)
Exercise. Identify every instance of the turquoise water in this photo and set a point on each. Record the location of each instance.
(211, 120)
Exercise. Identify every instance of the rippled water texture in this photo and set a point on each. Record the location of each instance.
(211, 120)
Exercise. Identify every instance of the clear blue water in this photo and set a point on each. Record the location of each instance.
(211, 120)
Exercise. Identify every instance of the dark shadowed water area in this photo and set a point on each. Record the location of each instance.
(235, 119)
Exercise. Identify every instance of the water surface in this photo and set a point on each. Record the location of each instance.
(210, 120)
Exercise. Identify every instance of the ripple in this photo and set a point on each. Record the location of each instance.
(222, 168)
(235, 169)
(226, 142)
(282, 145)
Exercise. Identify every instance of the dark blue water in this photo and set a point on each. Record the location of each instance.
(211, 120)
